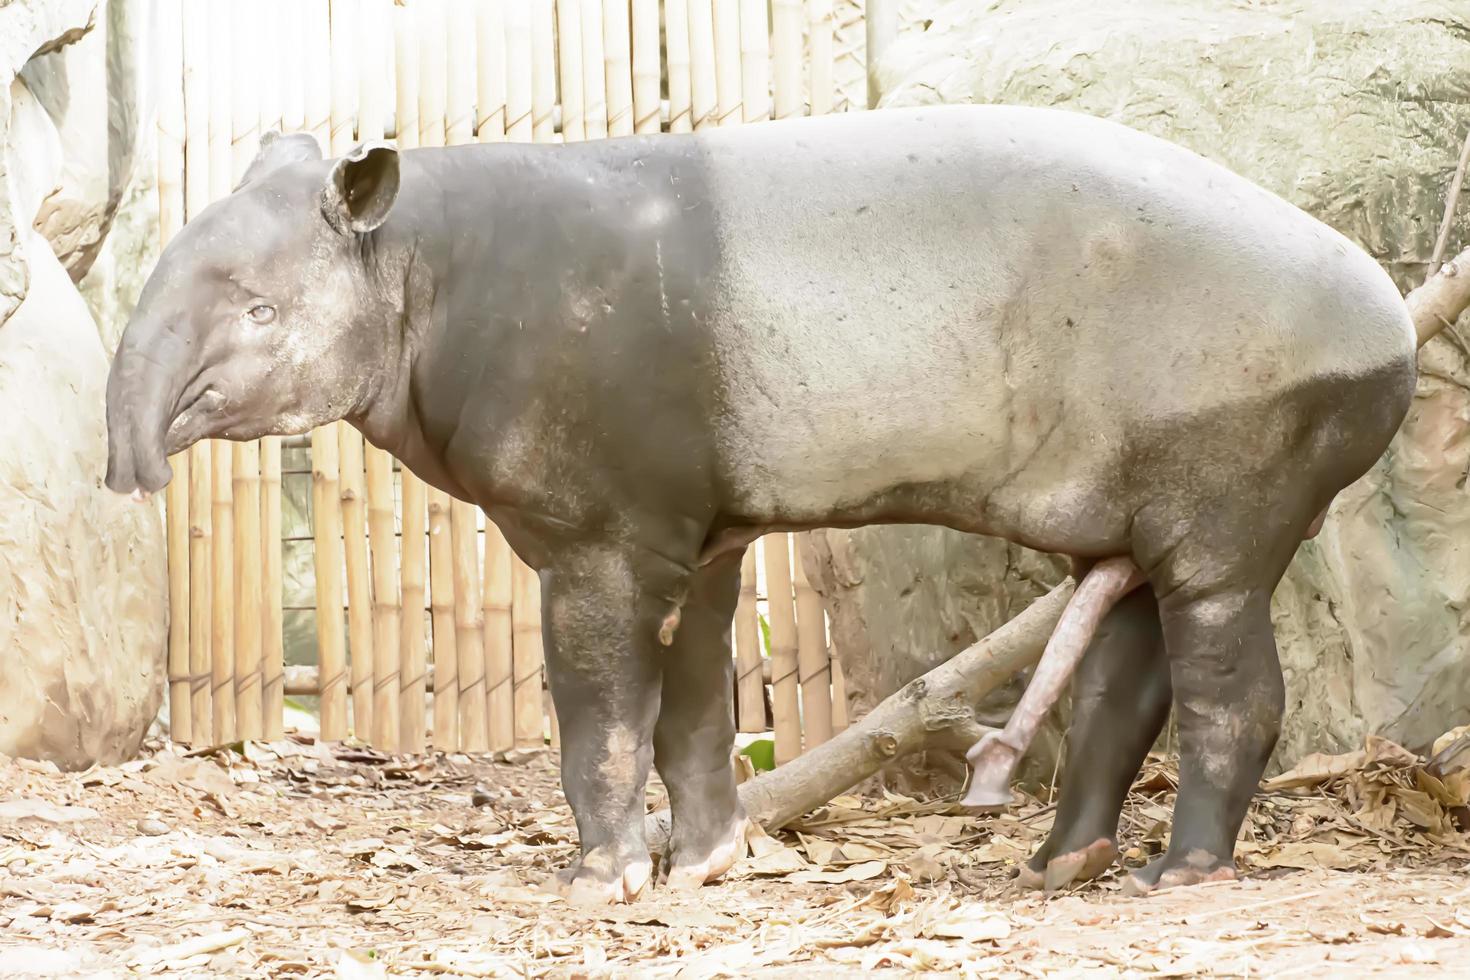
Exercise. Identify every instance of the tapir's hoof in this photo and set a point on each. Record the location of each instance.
(580, 886)
(1167, 872)
(686, 874)
(1071, 868)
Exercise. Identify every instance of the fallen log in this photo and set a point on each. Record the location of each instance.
(935, 711)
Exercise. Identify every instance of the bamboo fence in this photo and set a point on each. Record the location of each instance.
(404, 576)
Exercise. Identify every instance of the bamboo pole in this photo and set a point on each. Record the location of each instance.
(441, 595)
(676, 39)
(543, 72)
(169, 159)
(647, 67)
(820, 30)
(880, 19)
(526, 631)
(750, 692)
(282, 108)
(249, 710)
(433, 78)
(499, 638)
(703, 88)
(343, 43)
(727, 62)
(617, 57)
(375, 52)
(786, 49)
(194, 18)
(222, 620)
(469, 629)
(812, 658)
(469, 639)
(326, 503)
(569, 43)
(755, 60)
(459, 96)
(518, 73)
(775, 548)
(412, 681)
(490, 72)
(594, 79)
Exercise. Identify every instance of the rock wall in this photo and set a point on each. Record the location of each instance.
(82, 571)
(1354, 110)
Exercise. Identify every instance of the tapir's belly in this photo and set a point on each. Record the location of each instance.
(980, 323)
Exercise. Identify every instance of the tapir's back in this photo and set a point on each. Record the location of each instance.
(996, 296)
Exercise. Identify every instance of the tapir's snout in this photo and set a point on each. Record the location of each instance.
(143, 388)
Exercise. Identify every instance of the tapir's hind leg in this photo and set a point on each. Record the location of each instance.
(1120, 700)
(696, 731)
(1214, 582)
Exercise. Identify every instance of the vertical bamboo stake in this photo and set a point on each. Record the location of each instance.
(820, 29)
(326, 503)
(594, 79)
(783, 647)
(543, 72)
(569, 42)
(282, 108)
(812, 656)
(676, 39)
(518, 70)
(755, 60)
(786, 47)
(195, 21)
(441, 594)
(459, 96)
(703, 89)
(499, 656)
(222, 620)
(433, 78)
(412, 682)
(344, 37)
(647, 67)
(881, 26)
(526, 629)
(469, 638)
(371, 121)
(170, 163)
(727, 62)
(490, 71)
(618, 68)
(750, 692)
(249, 709)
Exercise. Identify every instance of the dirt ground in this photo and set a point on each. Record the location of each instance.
(296, 859)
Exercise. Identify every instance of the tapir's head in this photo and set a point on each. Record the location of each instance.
(263, 315)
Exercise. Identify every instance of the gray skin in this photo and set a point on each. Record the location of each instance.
(637, 355)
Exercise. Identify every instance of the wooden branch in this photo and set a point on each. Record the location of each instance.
(1443, 297)
(933, 711)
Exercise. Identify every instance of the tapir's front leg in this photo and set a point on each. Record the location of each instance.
(601, 630)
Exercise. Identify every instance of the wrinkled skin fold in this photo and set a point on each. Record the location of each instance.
(637, 355)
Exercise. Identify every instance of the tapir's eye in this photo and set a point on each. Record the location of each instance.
(261, 314)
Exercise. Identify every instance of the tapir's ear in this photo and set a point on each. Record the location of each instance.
(361, 189)
(277, 151)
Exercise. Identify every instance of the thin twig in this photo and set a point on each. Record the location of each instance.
(1452, 200)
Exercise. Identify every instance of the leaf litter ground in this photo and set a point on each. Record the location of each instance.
(299, 859)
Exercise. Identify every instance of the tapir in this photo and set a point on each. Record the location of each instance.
(637, 355)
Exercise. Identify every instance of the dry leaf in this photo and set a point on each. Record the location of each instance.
(356, 964)
(972, 923)
(27, 808)
(177, 952)
(856, 872)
